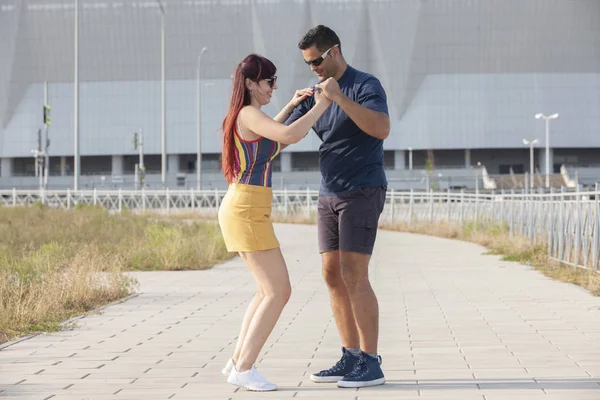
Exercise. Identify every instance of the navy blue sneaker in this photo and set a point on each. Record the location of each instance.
(343, 367)
(366, 373)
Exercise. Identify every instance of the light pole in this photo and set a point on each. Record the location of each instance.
(547, 118)
(531, 173)
(46, 142)
(138, 144)
(163, 112)
(76, 101)
(198, 122)
(410, 160)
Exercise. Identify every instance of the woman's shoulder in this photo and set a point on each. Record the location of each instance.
(249, 110)
(242, 128)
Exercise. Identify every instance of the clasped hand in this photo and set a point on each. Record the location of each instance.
(319, 91)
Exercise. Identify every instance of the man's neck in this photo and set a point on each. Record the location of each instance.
(343, 68)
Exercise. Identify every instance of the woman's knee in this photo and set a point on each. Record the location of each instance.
(260, 293)
(270, 272)
(286, 292)
(280, 293)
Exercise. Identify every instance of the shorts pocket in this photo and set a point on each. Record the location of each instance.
(362, 222)
(365, 230)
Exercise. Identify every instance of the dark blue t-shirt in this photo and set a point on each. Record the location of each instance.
(349, 159)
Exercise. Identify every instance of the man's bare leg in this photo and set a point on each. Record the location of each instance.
(365, 308)
(340, 300)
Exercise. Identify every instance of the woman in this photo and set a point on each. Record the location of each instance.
(251, 141)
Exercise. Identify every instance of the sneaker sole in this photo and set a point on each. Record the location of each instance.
(253, 390)
(359, 384)
(325, 379)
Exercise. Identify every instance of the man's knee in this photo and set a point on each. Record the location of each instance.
(351, 278)
(354, 269)
(331, 269)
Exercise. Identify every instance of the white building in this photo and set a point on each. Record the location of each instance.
(464, 79)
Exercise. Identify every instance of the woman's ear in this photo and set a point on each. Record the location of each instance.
(249, 83)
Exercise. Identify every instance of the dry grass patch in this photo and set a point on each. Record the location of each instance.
(587, 279)
(295, 219)
(55, 264)
(497, 238)
(53, 283)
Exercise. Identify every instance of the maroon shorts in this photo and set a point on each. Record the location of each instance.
(348, 222)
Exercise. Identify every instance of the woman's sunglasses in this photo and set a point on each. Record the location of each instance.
(271, 81)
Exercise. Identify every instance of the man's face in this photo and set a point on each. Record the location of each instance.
(321, 63)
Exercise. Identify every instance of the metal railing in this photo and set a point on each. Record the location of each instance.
(568, 222)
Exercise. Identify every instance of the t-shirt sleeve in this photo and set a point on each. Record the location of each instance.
(372, 95)
(298, 112)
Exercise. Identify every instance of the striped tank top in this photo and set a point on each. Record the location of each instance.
(254, 159)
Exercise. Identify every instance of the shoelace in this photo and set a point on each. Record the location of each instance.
(340, 365)
(360, 369)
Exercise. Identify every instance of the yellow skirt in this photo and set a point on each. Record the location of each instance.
(244, 217)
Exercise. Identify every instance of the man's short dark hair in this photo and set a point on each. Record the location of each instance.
(320, 36)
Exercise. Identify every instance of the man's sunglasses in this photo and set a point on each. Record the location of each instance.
(317, 61)
(271, 81)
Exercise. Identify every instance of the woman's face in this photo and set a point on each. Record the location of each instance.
(262, 91)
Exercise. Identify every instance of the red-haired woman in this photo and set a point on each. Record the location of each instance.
(251, 141)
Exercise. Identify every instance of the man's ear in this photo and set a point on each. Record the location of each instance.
(336, 50)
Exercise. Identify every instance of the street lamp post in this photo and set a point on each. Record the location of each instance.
(163, 112)
(76, 101)
(531, 166)
(547, 118)
(198, 123)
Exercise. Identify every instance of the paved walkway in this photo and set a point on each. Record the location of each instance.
(455, 324)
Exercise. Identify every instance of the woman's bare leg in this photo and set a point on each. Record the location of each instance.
(250, 311)
(270, 271)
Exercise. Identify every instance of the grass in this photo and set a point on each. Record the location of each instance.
(517, 248)
(295, 219)
(56, 264)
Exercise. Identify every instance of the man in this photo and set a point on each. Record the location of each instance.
(351, 198)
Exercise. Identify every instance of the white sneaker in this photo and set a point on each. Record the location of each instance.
(228, 367)
(251, 380)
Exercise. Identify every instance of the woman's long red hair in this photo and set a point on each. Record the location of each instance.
(256, 68)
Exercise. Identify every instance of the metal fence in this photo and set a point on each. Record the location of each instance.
(568, 222)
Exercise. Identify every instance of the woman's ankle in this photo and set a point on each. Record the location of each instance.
(242, 366)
